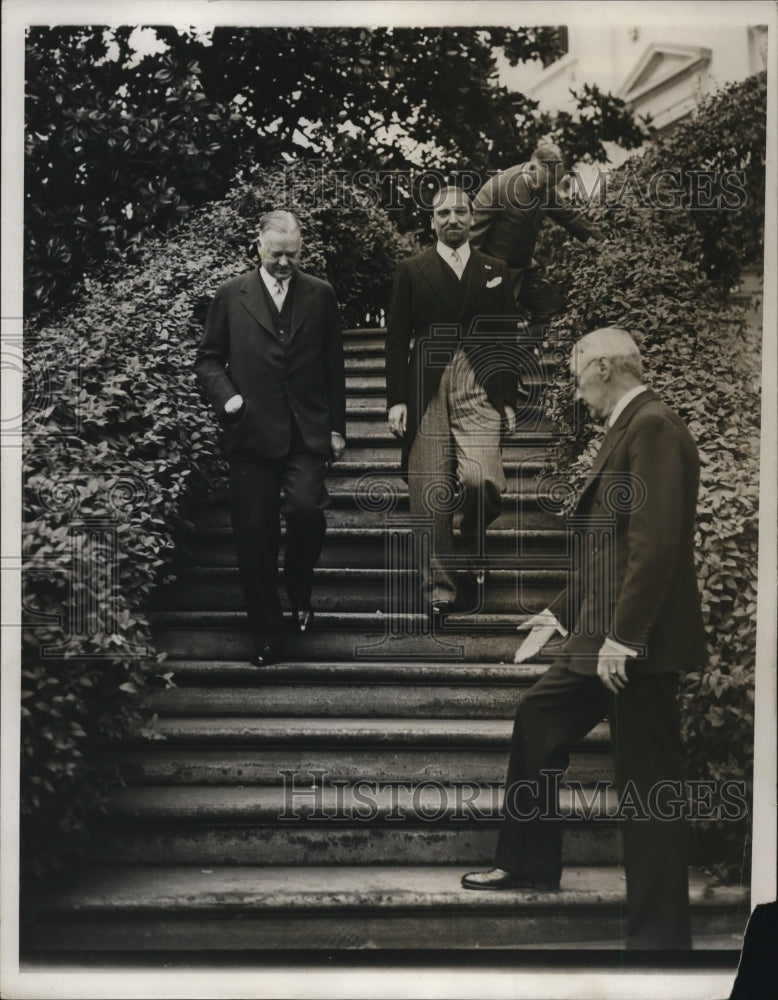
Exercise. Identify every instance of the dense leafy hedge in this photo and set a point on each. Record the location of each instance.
(117, 442)
(725, 138)
(702, 359)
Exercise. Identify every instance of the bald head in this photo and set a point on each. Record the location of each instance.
(614, 343)
(606, 364)
(548, 165)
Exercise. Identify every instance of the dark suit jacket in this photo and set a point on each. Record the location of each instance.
(508, 217)
(636, 580)
(423, 312)
(241, 352)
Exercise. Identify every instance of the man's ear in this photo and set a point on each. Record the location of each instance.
(605, 368)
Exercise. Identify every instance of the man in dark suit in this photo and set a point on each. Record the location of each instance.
(271, 363)
(632, 620)
(448, 395)
(508, 213)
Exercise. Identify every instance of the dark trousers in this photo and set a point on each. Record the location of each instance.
(256, 508)
(554, 715)
(539, 298)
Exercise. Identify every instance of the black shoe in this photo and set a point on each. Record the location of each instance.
(267, 652)
(302, 621)
(498, 878)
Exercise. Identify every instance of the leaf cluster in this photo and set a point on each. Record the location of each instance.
(726, 134)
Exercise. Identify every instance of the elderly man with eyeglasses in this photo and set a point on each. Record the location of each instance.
(631, 620)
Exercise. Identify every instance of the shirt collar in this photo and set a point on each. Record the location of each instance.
(445, 252)
(270, 281)
(622, 404)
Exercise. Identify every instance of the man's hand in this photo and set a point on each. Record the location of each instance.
(398, 419)
(510, 419)
(337, 445)
(233, 404)
(541, 629)
(612, 669)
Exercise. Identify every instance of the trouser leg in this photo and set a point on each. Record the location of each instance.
(541, 298)
(645, 730)
(254, 509)
(554, 715)
(432, 492)
(475, 427)
(305, 500)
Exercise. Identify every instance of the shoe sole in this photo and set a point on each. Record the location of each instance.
(535, 886)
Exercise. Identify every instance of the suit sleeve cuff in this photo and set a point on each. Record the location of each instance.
(610, 646)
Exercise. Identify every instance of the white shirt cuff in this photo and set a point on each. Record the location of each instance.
(610, 646)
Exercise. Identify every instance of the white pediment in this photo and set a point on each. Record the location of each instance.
(660, 65)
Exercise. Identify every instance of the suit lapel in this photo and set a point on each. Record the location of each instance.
(476, 275)
(303, 294)
(612, 437)
(255, 302)
(431, 267)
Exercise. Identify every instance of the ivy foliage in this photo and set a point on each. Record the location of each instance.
(118, 443)
(122, 143)
(655, 278)
(726, 136)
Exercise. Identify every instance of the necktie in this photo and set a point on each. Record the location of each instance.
(279, 294)
(456, 263)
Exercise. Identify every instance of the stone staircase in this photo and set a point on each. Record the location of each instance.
(333, 801)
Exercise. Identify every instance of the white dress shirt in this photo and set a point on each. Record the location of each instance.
(277, 288)
(462, 252)
(622, 404)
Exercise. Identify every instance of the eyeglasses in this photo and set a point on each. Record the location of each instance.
(578, 375)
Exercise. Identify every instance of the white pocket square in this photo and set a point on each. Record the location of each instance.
(494, 282)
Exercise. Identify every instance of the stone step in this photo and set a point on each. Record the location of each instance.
(505, 548)
(364, 331)
(369, 359)
(375, 454)
(372, 384)
(341, 700)
(370, 488)
(265, 908)
(373, 381)
(370, 405)
(344, 636)
(227, 672)
(351, 823)
(365, 410)
(334, 757)
(342, 733)
(523, 474)
(534, 365)
(304, 804)
(250, 843)
(217, 588)
(378, 502)
(370, 400)
(532, 427)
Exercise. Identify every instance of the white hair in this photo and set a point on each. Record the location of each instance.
(280, 221)
(615, 344)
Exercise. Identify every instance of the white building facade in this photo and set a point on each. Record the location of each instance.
(659, 70)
